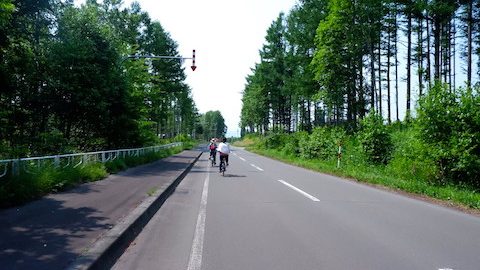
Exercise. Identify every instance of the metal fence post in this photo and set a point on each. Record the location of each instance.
(56, 161)
(16, 167)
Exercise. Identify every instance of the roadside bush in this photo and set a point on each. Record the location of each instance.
(275, 140)
(322, 143)
(292, 144)
(410, 159)
(449, 124)
(375, 139)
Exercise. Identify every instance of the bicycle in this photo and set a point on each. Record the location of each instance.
(212, 158)
(222, 166)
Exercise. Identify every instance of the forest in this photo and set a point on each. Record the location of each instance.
(333, 61)
(395, 83)
(68, 85)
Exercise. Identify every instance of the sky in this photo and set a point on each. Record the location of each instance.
(227, 36)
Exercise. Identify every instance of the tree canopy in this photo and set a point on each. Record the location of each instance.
(66, 83)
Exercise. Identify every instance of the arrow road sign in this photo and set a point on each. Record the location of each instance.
(193, 61)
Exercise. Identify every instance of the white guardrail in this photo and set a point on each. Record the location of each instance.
(75, 160)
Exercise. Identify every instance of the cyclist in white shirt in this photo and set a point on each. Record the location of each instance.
(224, 149)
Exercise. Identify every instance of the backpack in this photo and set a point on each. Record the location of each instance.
(212, 146)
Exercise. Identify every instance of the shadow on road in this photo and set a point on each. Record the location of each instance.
(39, 235)
(234, 175)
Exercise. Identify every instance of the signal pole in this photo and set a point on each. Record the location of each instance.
(134, 56)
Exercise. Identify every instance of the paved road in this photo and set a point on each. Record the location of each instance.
(268, 215)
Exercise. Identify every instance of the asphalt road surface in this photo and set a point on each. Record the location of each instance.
(264, 214)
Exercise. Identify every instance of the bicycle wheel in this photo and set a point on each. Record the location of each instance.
(222, 167)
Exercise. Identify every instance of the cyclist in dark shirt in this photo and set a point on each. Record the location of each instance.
(213, 151)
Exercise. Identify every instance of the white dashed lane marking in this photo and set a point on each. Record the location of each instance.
(256, 167)
(299, 191)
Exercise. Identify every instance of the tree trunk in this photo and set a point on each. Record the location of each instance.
(454, 54)
(372, 72)
(429, 72)
(409, 60)
(420, 56)
(396, 67)
(309, 112)
(380, 107)
(361, 92)
(450, 34)
(389, 55)
(469, 42)
(436, 44)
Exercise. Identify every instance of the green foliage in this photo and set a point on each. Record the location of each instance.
(6, 9)
(410, 158)
(322, 143)
(292, 143)
(66, 84)
(213, 125)
(40, 181)
(275, 140)
(449, 124)
(255, 103)
(375, 139)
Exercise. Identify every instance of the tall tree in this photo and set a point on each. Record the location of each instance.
(273, 55)
(468, 21)
(441, 12)
(65, 83)
(302, 23)
(213, 125)
(255, 109)
(334, 62)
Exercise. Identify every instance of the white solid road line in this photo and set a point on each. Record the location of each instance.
(300, 191)
(195, 261)
(256, 167)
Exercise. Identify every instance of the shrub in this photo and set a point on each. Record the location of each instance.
(322, 143)
(375, 140)
(449, 123)
(275, 140)
(292, 145)
(410, 160)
